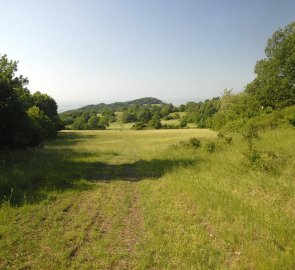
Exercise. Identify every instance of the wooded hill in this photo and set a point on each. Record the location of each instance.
(118, 106)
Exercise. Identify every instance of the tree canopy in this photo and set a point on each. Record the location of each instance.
(25, 119)
(274, 85)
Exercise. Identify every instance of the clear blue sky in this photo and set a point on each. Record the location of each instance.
(90, 51)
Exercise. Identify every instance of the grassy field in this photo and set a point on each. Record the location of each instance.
(142, 200)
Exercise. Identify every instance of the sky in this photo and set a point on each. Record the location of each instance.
(92, 51)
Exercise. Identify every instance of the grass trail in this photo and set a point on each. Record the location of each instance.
(140, 200)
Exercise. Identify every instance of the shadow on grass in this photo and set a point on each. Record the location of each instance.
(139, 170)
(71, 138)
(28, 175)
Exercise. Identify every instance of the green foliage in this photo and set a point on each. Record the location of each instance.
(183, 123)
(155, 122)
(250, 134)
(170, 126)
(144, 115)
(234, 108)
(253, 156)
(45, 103)
(228, 139)
(88, 120)
(42, 127)
(25, 119)
(264, 99)
(274, 85)
(139, 126)
(292, 121)
(93, 122)
(168, 117)
(129, 116)
(266, 161)
(200, 113)
(211, 147)
(119, 106)
(80, 123)
(166, 109)
(195, 142)
(103, 121)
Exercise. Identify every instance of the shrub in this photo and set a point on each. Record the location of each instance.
(183, 123)
(268, 161)
(220, 135)
(168, 117)
(252, 156)
(170, 126)
(138, 126)
(228, 139)
(292, 121)
(210, 147)
(250, 134)
(194, 142)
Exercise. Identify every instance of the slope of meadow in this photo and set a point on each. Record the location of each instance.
(142, 199)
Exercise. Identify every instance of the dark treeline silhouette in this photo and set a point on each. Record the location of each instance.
(25, 119)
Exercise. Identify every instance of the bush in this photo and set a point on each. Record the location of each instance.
(210, 147)
(228, 139)
(183, 123)
(267, 161)
(138, 126)
(252, 157)
(168, 117)
(250, 134)
(194, 142)
(220, 135)
(292, 121)
(170, 126)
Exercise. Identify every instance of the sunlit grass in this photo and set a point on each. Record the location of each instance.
(141, 200)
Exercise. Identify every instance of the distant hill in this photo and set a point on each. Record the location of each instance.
(119, 105)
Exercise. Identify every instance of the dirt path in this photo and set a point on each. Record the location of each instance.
(112, 229)
(132, 229)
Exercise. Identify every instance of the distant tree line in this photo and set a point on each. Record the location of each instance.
(119, 106)
(88, 120)
(267, 97)
(142, 115)
(25, 119)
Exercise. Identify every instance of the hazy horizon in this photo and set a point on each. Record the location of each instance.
(85, 52)
(64, 106)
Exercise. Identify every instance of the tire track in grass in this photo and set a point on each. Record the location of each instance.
(130, 232)
(90, 208)
(112, 229)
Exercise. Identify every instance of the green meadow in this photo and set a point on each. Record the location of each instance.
(150, 199)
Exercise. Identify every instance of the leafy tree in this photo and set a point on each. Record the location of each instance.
(155, 122)
(42, 127)
(14, 101)
(45, 103)
(144, 115)
(128, 117)
(166, 109)
(274, 85)
(183, 123)
(103, 122)
(80, 123)
(93, 122)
